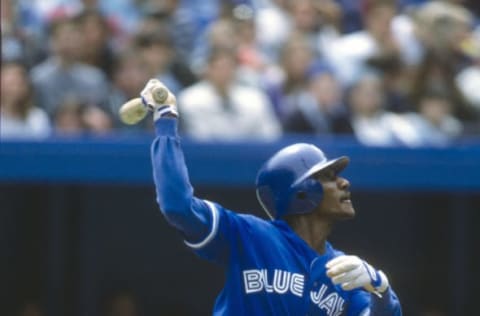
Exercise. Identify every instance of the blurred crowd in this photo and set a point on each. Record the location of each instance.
(388, 72)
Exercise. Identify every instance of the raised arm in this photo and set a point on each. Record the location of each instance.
(192, 216)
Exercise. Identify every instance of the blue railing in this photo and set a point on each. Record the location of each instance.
(125, 160)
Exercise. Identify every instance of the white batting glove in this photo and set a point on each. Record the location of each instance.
(160, 109)
(351, 272)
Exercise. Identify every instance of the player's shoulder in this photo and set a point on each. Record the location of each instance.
(251, 220)
(257, 228)
(248, 222)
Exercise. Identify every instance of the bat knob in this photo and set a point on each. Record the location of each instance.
(160, 94)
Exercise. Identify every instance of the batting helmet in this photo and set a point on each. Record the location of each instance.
(285, 184)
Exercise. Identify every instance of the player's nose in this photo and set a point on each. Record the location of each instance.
(343, 183)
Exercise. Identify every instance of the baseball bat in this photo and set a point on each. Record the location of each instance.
(134, 111)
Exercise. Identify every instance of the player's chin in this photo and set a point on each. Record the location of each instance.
(347, 211)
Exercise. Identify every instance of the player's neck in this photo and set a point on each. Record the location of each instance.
(313, 231)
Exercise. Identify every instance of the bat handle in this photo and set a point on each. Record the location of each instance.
(160, 94)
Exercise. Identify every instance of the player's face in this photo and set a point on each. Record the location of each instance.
(336, 202)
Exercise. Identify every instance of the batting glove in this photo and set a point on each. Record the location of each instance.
(352, 272)
(167, 107)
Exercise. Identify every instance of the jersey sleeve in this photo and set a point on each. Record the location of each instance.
(367, 304)
(175, 198)
(387, 304)
(359, 303)
(201, 222)
(223, 240)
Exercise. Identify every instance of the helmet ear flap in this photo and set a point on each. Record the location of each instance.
(301, 195)
(308, 195)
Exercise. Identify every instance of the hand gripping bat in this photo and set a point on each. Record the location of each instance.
(134, 111)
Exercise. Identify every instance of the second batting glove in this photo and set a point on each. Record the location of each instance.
(352, 272)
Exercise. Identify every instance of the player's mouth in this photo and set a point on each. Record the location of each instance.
(346, 199)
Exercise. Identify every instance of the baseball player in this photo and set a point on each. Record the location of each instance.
(281, 266)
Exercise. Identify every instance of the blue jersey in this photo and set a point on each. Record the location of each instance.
(270, 270)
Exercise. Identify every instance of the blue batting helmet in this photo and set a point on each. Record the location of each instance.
(285, 184)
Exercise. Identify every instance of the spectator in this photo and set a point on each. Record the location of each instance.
(442, 26)
(437, 72)
(252, 61)
(218, 108)
(352, 15)
(445, 30)
(129, 76)
(434, 122)
(184, 19)
(396, 83)
(156, 23)
(75, 117)
(221, 33)
(468, 80)
(156, 49)
(11, 46)
(350, 53)
(326, 112)
(317, 21)
(17, 42)
(273, 24)
(278, 20)
(122, 16)
(62, 76)
(19, 116)
(96, 33)
(290, 90)
(372, 124)
(67, 119)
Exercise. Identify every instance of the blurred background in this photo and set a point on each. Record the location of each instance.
(393, 84)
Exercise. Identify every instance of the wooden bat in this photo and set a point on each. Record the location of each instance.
(134, 111)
